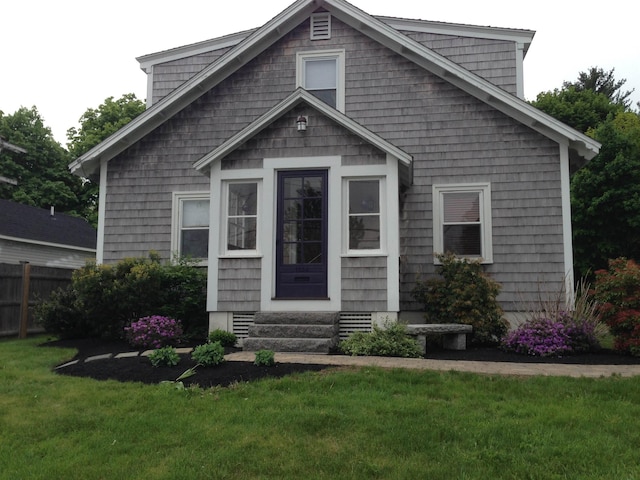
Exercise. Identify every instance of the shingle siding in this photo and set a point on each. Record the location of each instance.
(364, 284)
(453, 138)
(239, 284)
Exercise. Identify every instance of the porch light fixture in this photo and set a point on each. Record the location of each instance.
(301, 122)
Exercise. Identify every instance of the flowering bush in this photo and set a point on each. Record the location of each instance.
(618, 292)
(547, 337)
(153, 332)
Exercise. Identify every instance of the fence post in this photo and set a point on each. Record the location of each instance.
(24, 305)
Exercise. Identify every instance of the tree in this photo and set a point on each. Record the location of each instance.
(598, 81)
(95, 126)
(605, 197)
(42, 174)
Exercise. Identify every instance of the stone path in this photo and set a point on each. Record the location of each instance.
(491, 368)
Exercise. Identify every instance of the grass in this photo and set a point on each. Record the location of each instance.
(347, 423)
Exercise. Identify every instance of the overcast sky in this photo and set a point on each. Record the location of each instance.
(65, 56)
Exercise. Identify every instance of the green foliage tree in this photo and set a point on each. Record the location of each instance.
(605, 196)
(600, 82)
(95, 126)
(42, 174)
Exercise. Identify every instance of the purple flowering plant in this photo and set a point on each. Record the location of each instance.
(549, 337)
(153, 332)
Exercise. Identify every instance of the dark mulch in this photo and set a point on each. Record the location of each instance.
(139, 369)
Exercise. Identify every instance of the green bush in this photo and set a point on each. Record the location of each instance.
(164, 357)
(617, 292)
(226, 339)
(104, 299)
(265, 358)
(464, 294)
(390, 341)
(209, 354)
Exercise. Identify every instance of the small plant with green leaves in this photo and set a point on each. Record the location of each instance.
(265, 358)
(164, 357)
(226, 339)
(208, 354)
(390, 341)
(178, 383)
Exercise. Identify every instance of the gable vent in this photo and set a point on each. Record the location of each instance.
(320, 26)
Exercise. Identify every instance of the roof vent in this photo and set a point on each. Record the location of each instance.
(321, 26)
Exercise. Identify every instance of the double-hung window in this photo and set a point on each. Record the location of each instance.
(462, 220)
(321, 73)
(365, 215)
(190, 229)
(241, 216)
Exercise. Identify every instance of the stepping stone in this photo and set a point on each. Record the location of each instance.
(68, 364)
(105, 356)
(127, 354)
(184, 350)
(146, 353)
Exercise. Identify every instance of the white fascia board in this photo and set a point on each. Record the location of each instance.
(148, 61)
(460, 77)
(47, 244)
(194, 88)
(291, 101)
(461, 30)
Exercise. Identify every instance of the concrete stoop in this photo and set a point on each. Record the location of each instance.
(310, 332)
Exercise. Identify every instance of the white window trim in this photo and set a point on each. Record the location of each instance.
(176, 220)
(224, 223)
(339, 56)
(347, 252)
(485, 217)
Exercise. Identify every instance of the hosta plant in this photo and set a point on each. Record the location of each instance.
(164, 357)
(209, 354)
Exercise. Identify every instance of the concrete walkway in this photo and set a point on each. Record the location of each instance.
(491, 368)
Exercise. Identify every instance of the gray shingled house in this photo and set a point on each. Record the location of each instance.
(317, 164)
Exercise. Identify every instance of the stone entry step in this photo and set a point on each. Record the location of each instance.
(311, 332)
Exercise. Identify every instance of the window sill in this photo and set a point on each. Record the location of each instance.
(364, 253)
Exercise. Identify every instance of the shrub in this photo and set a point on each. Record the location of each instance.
(103, 299)
(464, 294)
(226, 339)
(265, 358)
(209, 354)
(618, 292)
(164, 357)
(547, 337)
(153, 332)
(390, 341)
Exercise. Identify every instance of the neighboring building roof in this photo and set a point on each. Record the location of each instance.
(4, 145)
(262, 38)
(37, 225)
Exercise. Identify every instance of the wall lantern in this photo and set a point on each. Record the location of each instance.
(302, 123)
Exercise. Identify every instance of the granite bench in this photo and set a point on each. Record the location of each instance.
(454, 335)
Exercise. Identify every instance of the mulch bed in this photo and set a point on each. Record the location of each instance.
(139, 369)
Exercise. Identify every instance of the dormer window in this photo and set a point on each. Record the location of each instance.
(321, 26)
(321, 73)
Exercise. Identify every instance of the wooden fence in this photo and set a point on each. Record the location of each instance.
(21, 287)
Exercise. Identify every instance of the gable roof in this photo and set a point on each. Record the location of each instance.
(296, 98)
(37, 225)
(290, 18)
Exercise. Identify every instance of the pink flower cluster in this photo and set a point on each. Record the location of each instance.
(153, 332)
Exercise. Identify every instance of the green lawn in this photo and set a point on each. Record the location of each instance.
(348, 423)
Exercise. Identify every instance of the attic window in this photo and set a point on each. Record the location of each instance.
(320, 26)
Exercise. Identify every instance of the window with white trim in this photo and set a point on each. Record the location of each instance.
(190, 225)
(462, 220)
(364, 215)
(241, 216)
(321, 73)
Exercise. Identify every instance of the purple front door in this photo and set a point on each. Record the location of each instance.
(301, 234)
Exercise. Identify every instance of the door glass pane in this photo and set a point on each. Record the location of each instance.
(313, 187)
(312, 253)
(463, 240)
(291, 253)
(312, 231)
(292, 187)
(291, 231)
(313, 208)
(292, 210)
